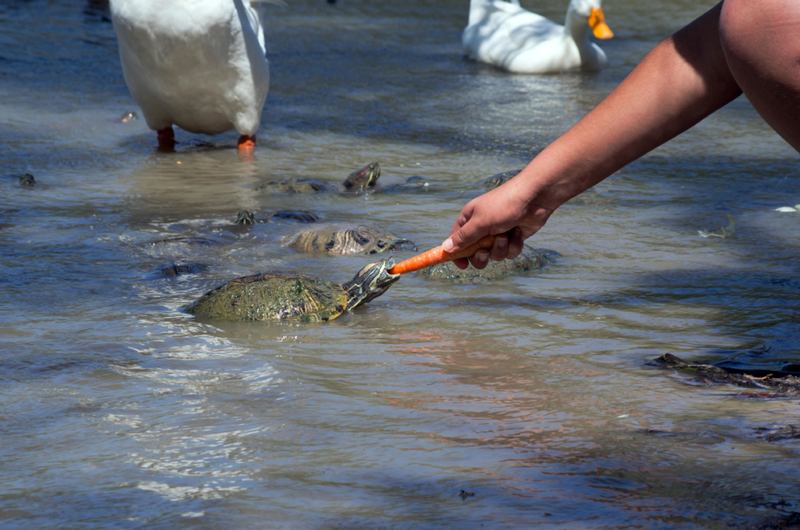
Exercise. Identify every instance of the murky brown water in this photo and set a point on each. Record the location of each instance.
(120, 411)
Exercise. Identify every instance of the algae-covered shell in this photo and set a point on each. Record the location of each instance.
(273, 295)
(280, 295)
(528, 260)
(346, 238)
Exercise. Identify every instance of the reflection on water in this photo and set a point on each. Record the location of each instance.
(531, 392)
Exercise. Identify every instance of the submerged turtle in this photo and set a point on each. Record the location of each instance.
(499, 179)
(357, 181)
(298, 216)
(173, 269)
(346, 238)
(413, 183)
(183, 242)
(528, 260)
(280, 295)
(27, 180)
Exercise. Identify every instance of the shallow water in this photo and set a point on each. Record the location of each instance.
(119, 410)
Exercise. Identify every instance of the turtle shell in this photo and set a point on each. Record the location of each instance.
(298, 216)
(273, 295)
(499, 179)
(528, 260)
(183, 242)
(346, 238)
(357, 181)
(298, 185)
(175, 268)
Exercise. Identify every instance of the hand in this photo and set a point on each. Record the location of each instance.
(509, 212)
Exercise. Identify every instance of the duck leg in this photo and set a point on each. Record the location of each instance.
(166, 139)
(247, 143)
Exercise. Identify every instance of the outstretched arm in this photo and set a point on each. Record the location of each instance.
(680, 82)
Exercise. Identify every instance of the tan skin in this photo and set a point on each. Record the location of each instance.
(750, 46)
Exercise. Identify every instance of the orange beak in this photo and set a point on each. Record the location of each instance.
(598, 24)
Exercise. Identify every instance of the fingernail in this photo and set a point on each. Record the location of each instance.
(448, 245)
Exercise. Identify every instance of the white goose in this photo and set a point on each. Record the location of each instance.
(197, 64)
(506, 35)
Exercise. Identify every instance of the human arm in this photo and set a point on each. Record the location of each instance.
(680, 82)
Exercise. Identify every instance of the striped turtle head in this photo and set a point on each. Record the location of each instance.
(370, 282)
(364, 178)
(245, 218)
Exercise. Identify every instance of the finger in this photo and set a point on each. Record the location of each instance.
(461, 220)
(499, 250)
(515, 243)
(461, 263)
(466, 234)
(480, 259)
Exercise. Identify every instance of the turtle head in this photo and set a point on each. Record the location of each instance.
(370, 282)
(245, 218)
(364, 178)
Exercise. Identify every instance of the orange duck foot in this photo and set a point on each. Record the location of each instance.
(247, 143)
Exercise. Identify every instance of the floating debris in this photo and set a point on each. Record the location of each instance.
(127, 117)
(722, 233)
(776, 433)
(778, 383)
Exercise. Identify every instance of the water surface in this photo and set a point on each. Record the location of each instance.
(119, 410)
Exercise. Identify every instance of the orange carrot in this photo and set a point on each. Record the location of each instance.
(438, 255)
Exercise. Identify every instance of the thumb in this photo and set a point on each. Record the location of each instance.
(465, 232)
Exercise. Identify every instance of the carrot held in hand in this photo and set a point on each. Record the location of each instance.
(439, 255)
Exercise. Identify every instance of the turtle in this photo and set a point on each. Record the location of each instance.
(528, 260)
(413, 183)
(282, 295)
(356, 182)
(173, 269)
(346, 238)
(27, 180)
(298, 216)
(183, 242)
(177, 246)
(496, 180)
(245, 218)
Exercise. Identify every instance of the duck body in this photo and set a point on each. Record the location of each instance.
(507, 36)
(197, 64)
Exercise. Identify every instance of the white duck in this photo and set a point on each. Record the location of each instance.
(510, 37)
(197, 64)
